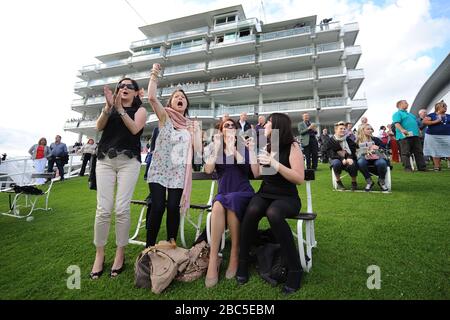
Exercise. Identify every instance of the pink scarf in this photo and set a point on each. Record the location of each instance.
(181, 122)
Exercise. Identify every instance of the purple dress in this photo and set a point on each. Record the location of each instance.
(234, 191)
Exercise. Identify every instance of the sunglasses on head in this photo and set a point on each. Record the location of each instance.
(128, 85)
(229, 126)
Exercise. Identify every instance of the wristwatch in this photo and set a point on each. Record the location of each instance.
(122, 113)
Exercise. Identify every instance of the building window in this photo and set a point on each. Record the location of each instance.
(244, 33)
(225, 20)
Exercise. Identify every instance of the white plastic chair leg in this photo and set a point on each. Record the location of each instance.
(183, 240)
(138, 227)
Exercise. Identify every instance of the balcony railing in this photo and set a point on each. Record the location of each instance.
(201, 113)
(333, 102)
(87, 124)
(176, 51)
(143, 57)
(231, 83)
(186, 88)
(185, 68)
(351, 27)
(358, 103)
(103, 81)
(235, 25)
(96, 100)
(328, 26)
(235, 110)
(231, 61)
(114, 63)
(328, 47)
(147, 42)
(334, 71)
(298, 75)
(188, 33)
(77, 102)
(352, 50)
(248, 38)
(286, 53)
(286, 106)
(81, 84)
(139, 75)
(285, 33)
(355, 73)
(90, 67)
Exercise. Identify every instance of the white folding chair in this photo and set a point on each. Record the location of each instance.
(29, 198)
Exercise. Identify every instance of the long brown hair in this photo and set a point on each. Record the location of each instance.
(39, 142)
(169, 102)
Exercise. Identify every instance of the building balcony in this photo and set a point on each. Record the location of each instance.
(350, 33)
(146, 59)
(232, 84)
(286, 106)
(188, 88)
(86, 87)
(328, 54)
(234, 111)
(241, 64)
(325, 33)
(235, 25)
(333, 102)
(286, 85)
(284, 38)
(201, 113)
(286, 77)
(177, 55)
(359, 103)
(352, 55)
(203, 31)
(195, 70)
(289, 59)
(330, 72)
(237, 46)
(147, 42)
(325, 47)
(78, 102)
(355, 78)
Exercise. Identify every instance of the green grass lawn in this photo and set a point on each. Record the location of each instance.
(405, 233)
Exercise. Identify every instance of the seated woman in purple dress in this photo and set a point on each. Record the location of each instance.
(231, 161)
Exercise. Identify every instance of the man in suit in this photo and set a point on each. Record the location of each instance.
(308, 131)
(243, 124)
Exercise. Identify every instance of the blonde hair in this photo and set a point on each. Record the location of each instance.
(440, 104)
(361, 136)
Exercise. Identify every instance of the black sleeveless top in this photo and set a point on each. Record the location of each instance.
(276, 186)
(117, 139)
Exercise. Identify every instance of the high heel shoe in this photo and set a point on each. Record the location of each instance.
(211, 282)
(293, 282)
(115, 272)
(242, 272)
(230, 274)
(98, 274)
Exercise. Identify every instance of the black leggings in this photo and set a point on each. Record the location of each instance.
(157, 211)
(276, 212)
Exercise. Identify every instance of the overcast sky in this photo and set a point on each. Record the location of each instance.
(45, 43)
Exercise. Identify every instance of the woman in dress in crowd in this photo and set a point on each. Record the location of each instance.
(122, 121)
(277, 199)
(87, 151)
(437, 135)
(393, 145)
(39, 153)
(342, 153)
(171, 167)
(233, 164)
(370, 157)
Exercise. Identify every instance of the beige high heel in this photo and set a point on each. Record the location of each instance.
(211, 282)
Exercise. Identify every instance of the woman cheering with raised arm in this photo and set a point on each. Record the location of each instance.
(171, 167)
(119, 160)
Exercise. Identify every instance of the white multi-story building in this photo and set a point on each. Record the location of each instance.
(228, 63)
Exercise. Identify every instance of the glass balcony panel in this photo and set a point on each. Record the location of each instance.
(139, 75)
(77, 102)
(149, 41)
(87, 124)
(91, 67)
(358, 103)
(175, 51)
(286, 53)
(298, 75)
(238, 40)
(81, 84)
(328, 26)
(355, 73)
(333, 102)
(285, 33)
(114, 63)
(231, 61)
(95, 100)
(353, 50)
(185, 68)
(236, 24)
(185, 87)
(231, 83)
(286, 106)
(328, 46)
(201, 113)
(334, 71)
(188, 33)
(235, 110)
(144, 57)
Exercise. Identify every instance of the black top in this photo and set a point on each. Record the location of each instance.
(116, 137)
(333, 146)
(276, 186)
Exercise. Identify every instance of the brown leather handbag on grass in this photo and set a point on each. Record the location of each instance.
(198, 263)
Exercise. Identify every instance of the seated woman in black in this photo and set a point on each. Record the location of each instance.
(277, 198)
(342, 154)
